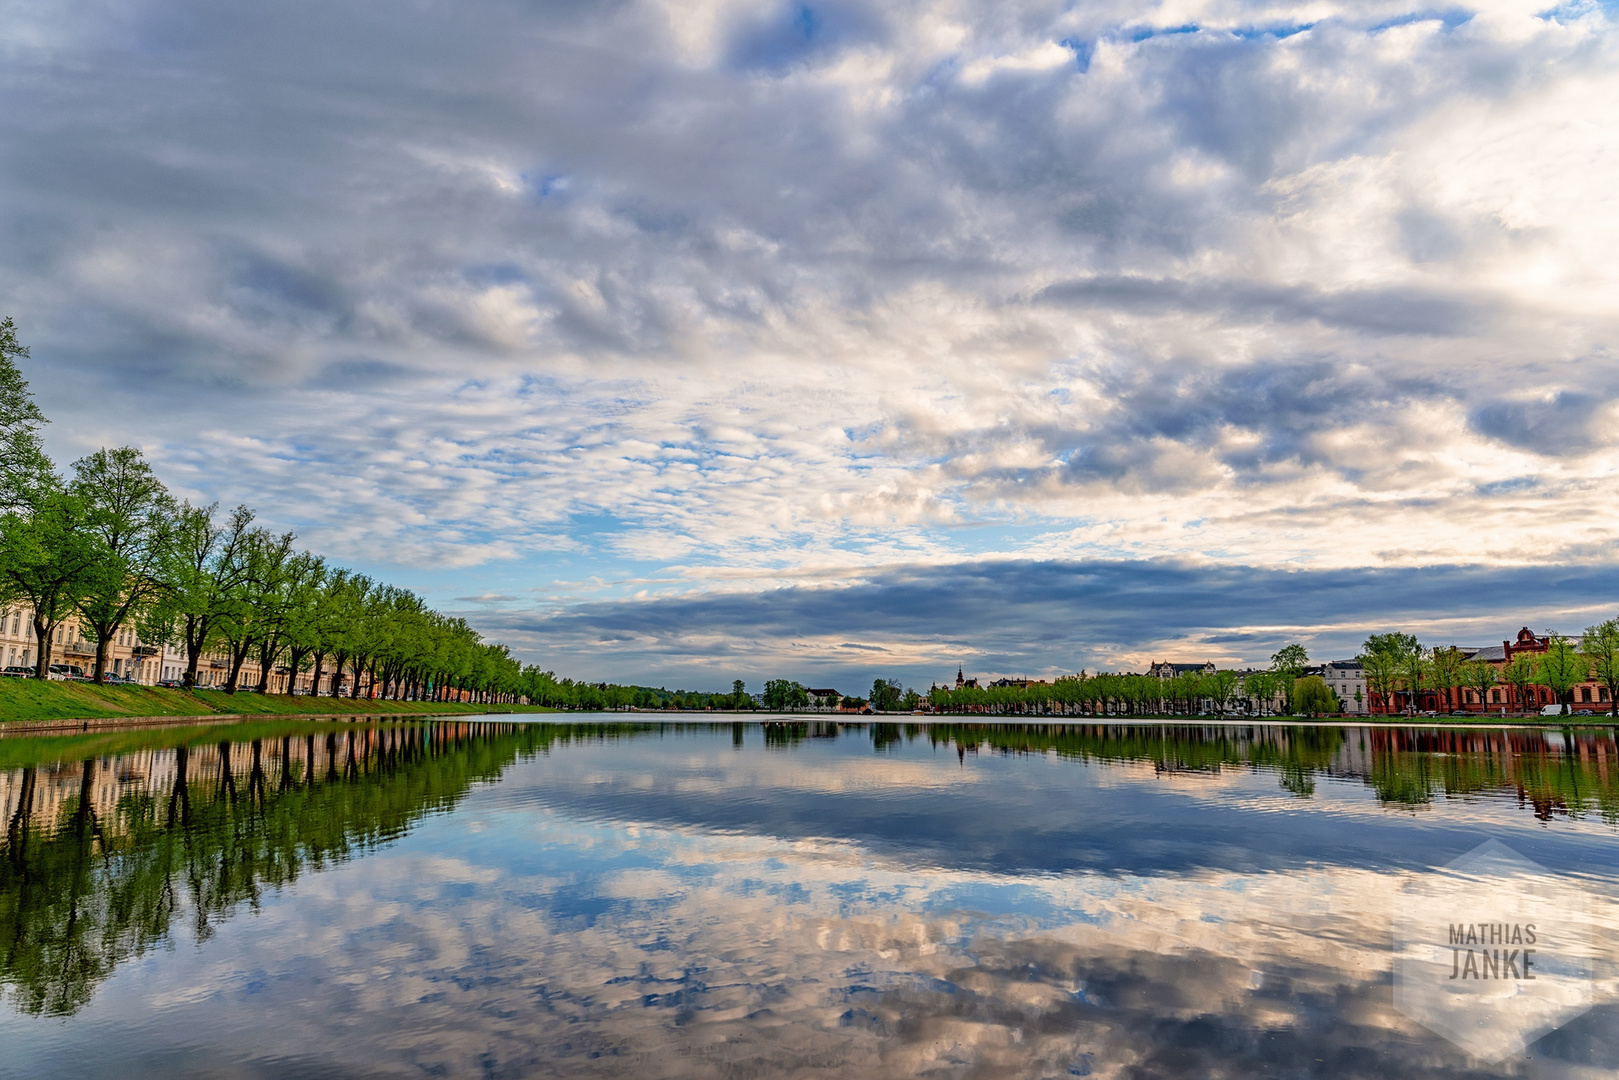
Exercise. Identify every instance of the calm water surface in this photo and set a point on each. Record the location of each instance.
(305, 900)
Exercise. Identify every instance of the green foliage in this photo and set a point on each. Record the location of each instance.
(886, 695)
(1109, 694)
(48, 559)
(129, 518)
(1382, 675)
(1521, 673)
(1600, 644)
(1399, 663)
(1445, 671)
(24, 468)
(1480, 677)
(37, 699)
(784, 695)
(1562, 667)
(1312, 696)
(1290, 660)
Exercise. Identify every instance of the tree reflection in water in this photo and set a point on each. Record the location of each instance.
(84, 888)
(105, 853)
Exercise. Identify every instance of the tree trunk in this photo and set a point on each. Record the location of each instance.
(42, 635)
(267, 651)
(196, 635)
(238, 657)
(101, 657)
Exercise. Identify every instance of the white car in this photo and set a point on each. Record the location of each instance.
(1552, 710)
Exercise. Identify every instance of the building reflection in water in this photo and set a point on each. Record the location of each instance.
(676, 900)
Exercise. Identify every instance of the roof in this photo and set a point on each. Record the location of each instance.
(1489, 652)
(822, 693)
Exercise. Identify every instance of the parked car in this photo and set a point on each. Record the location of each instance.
(173, 684)
(16, 671)
(1552, 710)
(67, 673)
(1583, 712)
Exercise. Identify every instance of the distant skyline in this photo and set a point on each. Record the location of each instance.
(682, 342)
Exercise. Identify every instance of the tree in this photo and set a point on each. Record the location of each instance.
(885, 695)
(739, 695)
(1260, 689)
(301, 623)
(1405, 656)
(1600, 644)
(1445, 671)
(1221, 689)
(130, 519)
(1313, 697)
(49, 557)
(784, 695)
(203, 570)
(1288, 664)
(1562, 667)
(1291, 659)
(1382, 676)
(25, 471)
(1520, 673)
(1480, 677)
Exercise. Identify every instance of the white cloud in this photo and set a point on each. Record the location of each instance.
(1279, 284)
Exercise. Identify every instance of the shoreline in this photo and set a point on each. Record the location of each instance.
(761, 717)
(98, 724)
(102, 724)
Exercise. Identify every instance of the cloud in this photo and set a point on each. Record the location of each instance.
(597, 293)
(1050, 618)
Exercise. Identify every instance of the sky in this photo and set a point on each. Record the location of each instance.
(682, 342)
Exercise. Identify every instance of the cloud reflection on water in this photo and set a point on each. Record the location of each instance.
(668, 905)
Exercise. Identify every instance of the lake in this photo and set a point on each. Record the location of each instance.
(467, 899)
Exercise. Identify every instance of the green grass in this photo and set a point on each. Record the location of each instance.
(29, 699)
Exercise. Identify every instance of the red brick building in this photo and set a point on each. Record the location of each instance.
(1587, 695)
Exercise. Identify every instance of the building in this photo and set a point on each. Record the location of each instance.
(824, 698)
(1500, 698)
(127, 656)
(1347, 679)
(1170, 671)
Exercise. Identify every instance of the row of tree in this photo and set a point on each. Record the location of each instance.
(107, 546)
(1394, 663)
(1283, 688)
(1398, 663)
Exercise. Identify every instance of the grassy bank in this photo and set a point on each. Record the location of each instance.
(29, 699)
